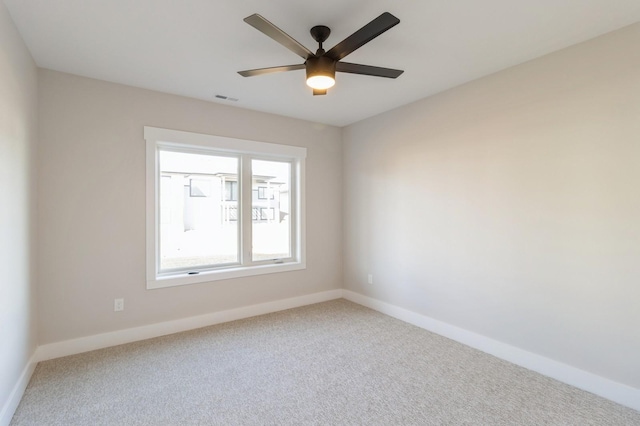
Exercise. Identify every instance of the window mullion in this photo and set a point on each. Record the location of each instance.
(246, 205)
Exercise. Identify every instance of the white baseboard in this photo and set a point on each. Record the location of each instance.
(12, 402)
(614, 391)
(99, 341)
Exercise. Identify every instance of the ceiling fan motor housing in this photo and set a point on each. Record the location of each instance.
(320, 65)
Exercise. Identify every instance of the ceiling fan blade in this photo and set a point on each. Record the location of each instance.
(368, 70)
(364, 35)
(266, 27)
(261, 71)
(317, 92)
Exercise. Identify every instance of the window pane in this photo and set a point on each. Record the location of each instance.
(271, 209)
(198, 210)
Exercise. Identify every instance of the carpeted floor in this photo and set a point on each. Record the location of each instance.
(334, 363)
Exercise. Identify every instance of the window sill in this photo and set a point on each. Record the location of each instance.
(221, 274)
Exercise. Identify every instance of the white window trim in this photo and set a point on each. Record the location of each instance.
(157, 137)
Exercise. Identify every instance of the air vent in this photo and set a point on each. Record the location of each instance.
(226, 98)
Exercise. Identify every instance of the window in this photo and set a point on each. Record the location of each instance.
(265, 193)
(231, 190)
(221, 208)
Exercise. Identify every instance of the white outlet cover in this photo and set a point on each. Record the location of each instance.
(118, 305)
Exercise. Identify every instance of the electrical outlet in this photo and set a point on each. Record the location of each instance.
(370, 278)
(118, 305)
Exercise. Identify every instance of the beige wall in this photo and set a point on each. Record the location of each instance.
(18, 131)
(91, 220)
(510, 206)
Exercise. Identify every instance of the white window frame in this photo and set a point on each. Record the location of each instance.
(157, 138)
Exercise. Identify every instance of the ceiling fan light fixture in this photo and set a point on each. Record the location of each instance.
(321, 72)
(321, 82)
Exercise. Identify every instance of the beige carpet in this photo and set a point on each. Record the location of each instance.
(334, 363)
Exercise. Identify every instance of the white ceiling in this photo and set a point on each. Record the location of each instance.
(195, 47)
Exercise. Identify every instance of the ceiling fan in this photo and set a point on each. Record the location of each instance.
(321, 66)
